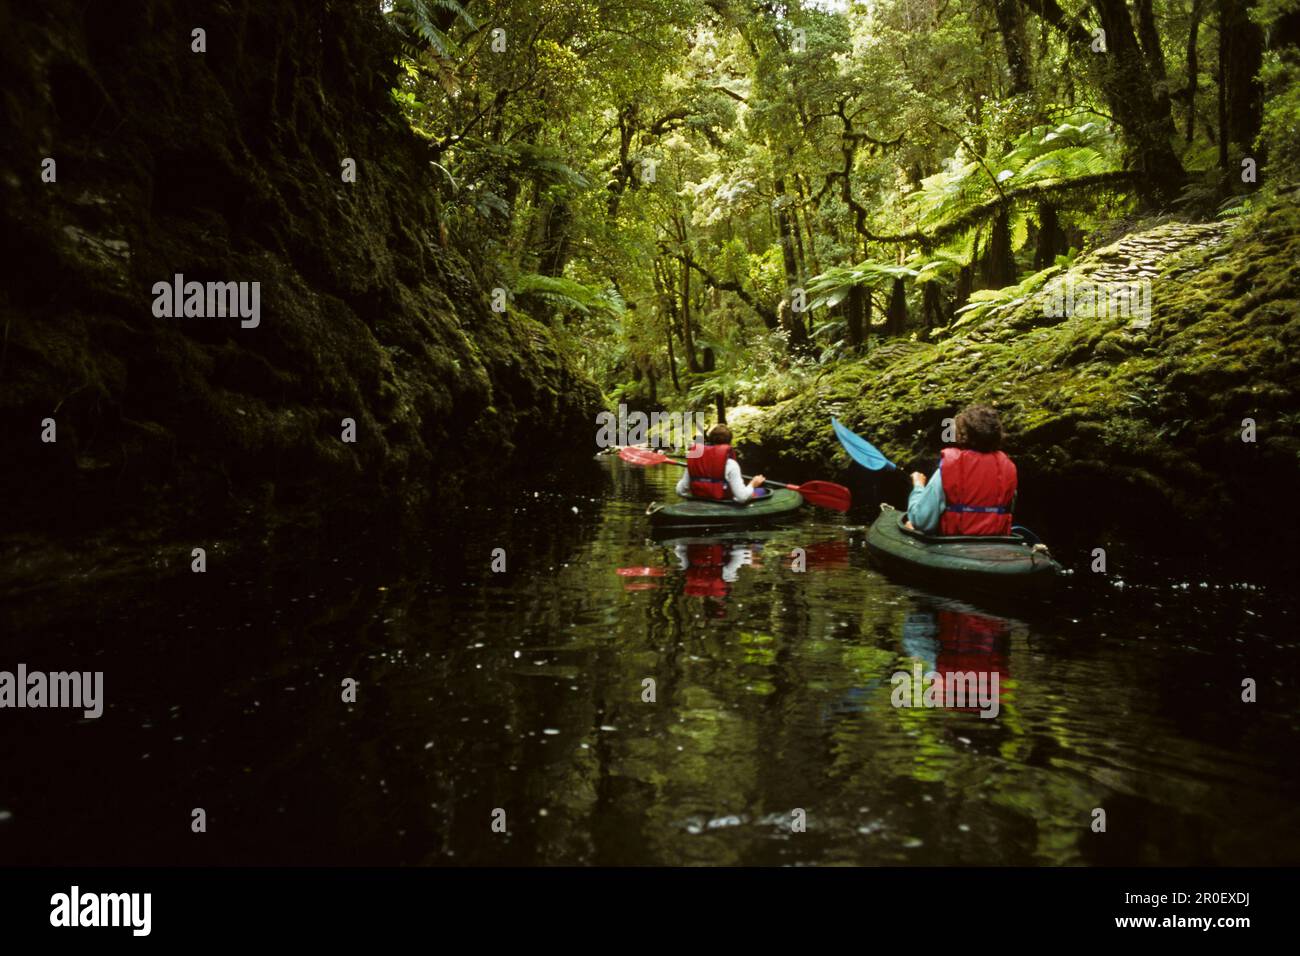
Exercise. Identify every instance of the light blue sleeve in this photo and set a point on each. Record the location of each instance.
(925, 505)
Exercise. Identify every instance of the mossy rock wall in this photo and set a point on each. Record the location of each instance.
(1119, 430)
(226, 166)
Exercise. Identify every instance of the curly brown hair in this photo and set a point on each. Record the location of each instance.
(979, 427)
(719, 435)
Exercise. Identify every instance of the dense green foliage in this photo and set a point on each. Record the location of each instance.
(1135, 424)
(711, 200)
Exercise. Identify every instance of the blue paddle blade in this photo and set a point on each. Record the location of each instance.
(861, 450)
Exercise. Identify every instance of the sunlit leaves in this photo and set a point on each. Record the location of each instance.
(831, 287)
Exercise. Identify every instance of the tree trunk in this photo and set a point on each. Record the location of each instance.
(812, 261)
(854, 310)
(998, 266)
(669, 308)
(688, 335)
(931, 308)
(868, 307)
(792, 324)
(1051, 240)
(672, 360)
(1241, 99)
(896, 317)
(622, 170)
(1011, 24)
(965, 285)
(1193, 67)
(1141, 111)
(1150, 37)
(553, 250)
(788, 231)
(1131, 94)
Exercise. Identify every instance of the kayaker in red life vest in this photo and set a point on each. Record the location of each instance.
(973, 491)
(712, 471)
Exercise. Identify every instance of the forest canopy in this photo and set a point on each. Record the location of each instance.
(710, 200)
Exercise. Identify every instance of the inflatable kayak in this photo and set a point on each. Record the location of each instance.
(997, 564)
(694, 513)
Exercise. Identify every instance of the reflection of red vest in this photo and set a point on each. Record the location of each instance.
(704, 571)
(972, 642)
(707, 470)
(978, 488)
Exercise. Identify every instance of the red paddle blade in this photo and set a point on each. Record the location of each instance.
(642, 456)
(825, 494)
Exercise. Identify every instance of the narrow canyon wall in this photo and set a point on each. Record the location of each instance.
(227, 166)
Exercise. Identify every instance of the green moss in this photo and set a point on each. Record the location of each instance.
(1119, 407)
(365, 313)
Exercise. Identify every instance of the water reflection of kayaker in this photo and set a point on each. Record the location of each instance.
(713, 473)
(973, 491)
(711, 566)
(952, 641)
(973, 642)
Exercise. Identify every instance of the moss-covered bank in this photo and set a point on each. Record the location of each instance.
(226, 165)
(1119, 430)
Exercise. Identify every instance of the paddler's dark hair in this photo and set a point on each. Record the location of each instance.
(979, 428)
(718, 435)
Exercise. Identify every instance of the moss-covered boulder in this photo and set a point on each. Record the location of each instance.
(1119, 424)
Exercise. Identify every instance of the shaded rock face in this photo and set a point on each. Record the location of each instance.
(1124, 428)
(226, 166)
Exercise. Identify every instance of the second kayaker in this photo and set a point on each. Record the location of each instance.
(973, 491)
(713, 473)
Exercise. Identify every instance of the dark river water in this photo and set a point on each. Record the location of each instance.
(771, 738)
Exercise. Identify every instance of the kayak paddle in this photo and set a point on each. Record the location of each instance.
(861, 450)
(824, 493)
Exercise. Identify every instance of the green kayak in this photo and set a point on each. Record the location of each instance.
(998, 564)
(694, 513)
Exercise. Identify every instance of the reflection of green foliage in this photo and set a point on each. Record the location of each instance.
(759, 648)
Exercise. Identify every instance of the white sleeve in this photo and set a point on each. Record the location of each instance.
(739, 490)
(684, 485)
(731, 568)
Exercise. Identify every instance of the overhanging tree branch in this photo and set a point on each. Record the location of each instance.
(766, 313)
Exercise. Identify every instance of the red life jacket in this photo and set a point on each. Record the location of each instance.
(707, 466)
(972, 642)
(704, 573)
(979, 488)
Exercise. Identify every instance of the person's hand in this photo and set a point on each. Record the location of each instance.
(918, 479)
(756, 481)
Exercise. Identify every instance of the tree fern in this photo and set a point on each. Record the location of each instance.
(990, 303)
(564, 295)
(1042, 155)
(417, 22)
(831, 287)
